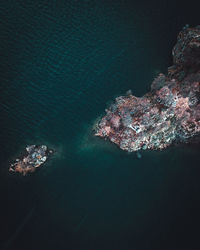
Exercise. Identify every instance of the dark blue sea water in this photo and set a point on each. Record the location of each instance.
(61, 64)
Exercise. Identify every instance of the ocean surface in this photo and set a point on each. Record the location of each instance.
(61, 64)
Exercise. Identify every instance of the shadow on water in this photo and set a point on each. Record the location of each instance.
(21, 227)
(85, 217)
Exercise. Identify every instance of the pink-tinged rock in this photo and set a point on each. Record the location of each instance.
(115, 121)
(169, 113)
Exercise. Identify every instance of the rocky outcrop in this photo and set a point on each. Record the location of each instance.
(34, 157)
(169, 113)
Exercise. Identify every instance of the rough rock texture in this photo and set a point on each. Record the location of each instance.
(169, 113)
(34, 158)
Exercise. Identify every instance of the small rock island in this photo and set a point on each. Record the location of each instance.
(34, 157)
(169, 113)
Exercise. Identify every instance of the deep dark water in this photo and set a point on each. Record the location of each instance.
(62, 62)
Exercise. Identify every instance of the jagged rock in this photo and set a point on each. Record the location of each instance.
(169, 113)
(34, 158)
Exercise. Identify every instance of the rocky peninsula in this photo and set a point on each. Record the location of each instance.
(34, 157)
(169, 113)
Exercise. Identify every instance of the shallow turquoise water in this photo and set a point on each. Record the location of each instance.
(61, 65)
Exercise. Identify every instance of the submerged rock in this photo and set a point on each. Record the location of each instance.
(169, 113)
(139, 156)
(34, 157)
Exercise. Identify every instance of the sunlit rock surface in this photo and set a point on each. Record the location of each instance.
(169, 113)
(34, 157)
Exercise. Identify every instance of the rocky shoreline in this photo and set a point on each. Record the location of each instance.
(169, 113)
(33, 158)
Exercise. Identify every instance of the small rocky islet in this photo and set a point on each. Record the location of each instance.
(33, 158)
(169, 113)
